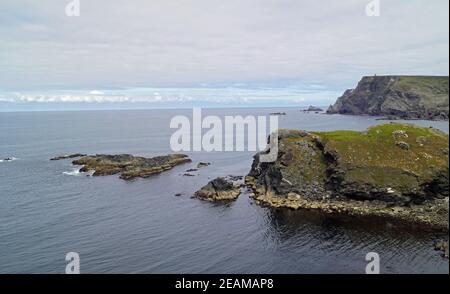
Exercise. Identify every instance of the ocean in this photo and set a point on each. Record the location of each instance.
(48, 209)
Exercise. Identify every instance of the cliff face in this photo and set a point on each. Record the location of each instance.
(407, 97)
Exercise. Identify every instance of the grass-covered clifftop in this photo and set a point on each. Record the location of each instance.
(408, 97)
(360, 172)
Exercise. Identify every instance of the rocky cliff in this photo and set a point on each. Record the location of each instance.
(406, 97)
(396, 171)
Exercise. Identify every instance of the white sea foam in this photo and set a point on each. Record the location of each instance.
(9, 159)
(76, 173)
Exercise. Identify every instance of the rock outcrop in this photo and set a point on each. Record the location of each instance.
(129, 167)
(313, 109)
(70, 156)
(405, 97)
(203, 164)
(368, 173)
(219, 189)
(442, 246)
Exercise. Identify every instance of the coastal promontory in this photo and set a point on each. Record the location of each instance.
(394, 171)
(400, 97)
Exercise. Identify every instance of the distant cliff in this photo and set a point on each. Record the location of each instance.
(407, 97)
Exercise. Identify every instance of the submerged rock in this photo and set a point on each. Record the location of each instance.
(130, 167)
(8, 159)
(219, 189)
(359, 173)
(188, 175)
(203, 164)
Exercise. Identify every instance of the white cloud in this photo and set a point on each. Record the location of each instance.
(179, 96)
(97, 93)
(191, 42)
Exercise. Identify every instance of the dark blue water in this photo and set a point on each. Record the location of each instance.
(141, 227)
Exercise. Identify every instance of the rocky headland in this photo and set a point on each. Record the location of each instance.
(395, 171)
(397, 97)
(129, 166)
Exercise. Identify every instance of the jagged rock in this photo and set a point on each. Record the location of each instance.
(313, 109)
(130, 167)
(402, 145)
(219, 189)
(405, 97)
(421, 140)
(399, 134)
(234, 178)
(340, 171)
(71, 156)
(203, 164)
(443, 247)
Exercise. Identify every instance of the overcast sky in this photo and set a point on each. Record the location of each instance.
(304, 45)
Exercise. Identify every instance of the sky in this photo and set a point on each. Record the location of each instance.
(140, 53)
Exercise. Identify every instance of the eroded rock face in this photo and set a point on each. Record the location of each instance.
(219, 189)
(354, 171)
(406, 97)
(129, 166)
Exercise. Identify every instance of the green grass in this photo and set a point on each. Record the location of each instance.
(377, 147)
(421, 84)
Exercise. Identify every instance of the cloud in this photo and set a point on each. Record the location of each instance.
(168, 43)
(181, 96)
(97, 93)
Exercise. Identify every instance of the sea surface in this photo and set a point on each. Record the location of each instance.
(48, 209)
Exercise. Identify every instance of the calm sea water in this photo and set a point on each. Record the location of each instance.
(141, 227)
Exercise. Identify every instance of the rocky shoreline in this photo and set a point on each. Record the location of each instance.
(432, 215)
(396, 172)
(129, 166)
(351, 173)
